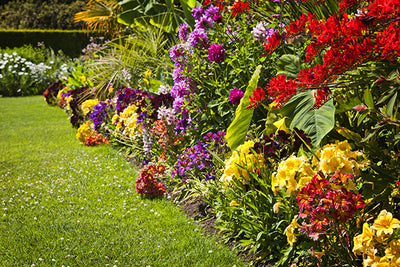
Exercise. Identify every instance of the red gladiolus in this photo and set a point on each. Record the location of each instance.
(281, 89)
(257, 98)
(272, 43)
(239, 7)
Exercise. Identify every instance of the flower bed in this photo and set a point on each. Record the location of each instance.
(282, 116)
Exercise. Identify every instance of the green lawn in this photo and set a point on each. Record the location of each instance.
(65, 204)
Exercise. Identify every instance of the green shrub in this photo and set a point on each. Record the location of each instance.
(70, 42)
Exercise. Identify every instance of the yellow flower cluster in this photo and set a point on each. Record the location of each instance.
(292, 174)
(84, 130)
(339, 157)
(378, 236)
(88, 105)
(295, 172)
(241, 164)
(128, 119)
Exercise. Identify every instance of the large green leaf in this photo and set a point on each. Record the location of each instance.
(236, 132)
(315, 122)
(289, 65)
(163, 14)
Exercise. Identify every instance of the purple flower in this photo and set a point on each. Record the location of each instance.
(216, 53)
(177, 75)
(179, 89)
(197, 12)
(204, 22)
(177, 53)
(177, 104)
(212, 11)
(198, 38)
(235, 95)
(182, 32)
(217, 18)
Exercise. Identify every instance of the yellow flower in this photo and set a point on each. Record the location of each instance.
(70, 98)
(338, 157)
(146, 82)
(241, 164)
(115, 119)
(147, 74)
(292, 174)
(363, 241)
(110, 89)
(290, 235)
(233, 203)
(393, 252)
(275, 208)
(129, 119)
(83, 78)
(385, 223)
(281, 125)
(84, 130)
(88, 105)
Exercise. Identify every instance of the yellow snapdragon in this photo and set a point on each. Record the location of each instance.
(84, 130)
(292, 174)
(88, 105)
(377, 236)
(128, 119)
(339, 157)
(241, 164)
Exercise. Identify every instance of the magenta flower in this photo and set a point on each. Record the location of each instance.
(216, 53)
(235, 95)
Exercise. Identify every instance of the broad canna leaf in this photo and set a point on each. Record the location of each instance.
(236, 132)
(315, 122)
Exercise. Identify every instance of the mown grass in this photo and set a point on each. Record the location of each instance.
(65, 204)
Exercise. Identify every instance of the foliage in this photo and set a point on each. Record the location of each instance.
(31, 14)
(166, 15)
(101, 17)
(70, 42)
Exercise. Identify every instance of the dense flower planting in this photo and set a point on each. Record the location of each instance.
(283, 118)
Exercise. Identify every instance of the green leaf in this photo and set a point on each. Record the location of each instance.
(348, 134)
(236, 132)
(289, 65)
(390, 105)
(368, 98)
(315, 122)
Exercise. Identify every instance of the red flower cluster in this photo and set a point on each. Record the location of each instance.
(257, 98)
(324, 203)
(348, 42)
(159, 128)
(239, 7)
(95, 139)
(147, 184)
(272, 43)
(281, 89)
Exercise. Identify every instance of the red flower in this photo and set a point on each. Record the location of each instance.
(281, 89)
(257, 98)
(272, 43)
(321, 96)
(239, 7)
(319, 217)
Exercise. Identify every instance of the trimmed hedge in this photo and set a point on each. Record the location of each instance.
(71, 42)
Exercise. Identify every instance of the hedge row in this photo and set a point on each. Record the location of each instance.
(71, 42)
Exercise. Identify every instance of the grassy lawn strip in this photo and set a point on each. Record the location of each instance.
(62, 203)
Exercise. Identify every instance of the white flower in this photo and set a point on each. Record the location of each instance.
(163, 89)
